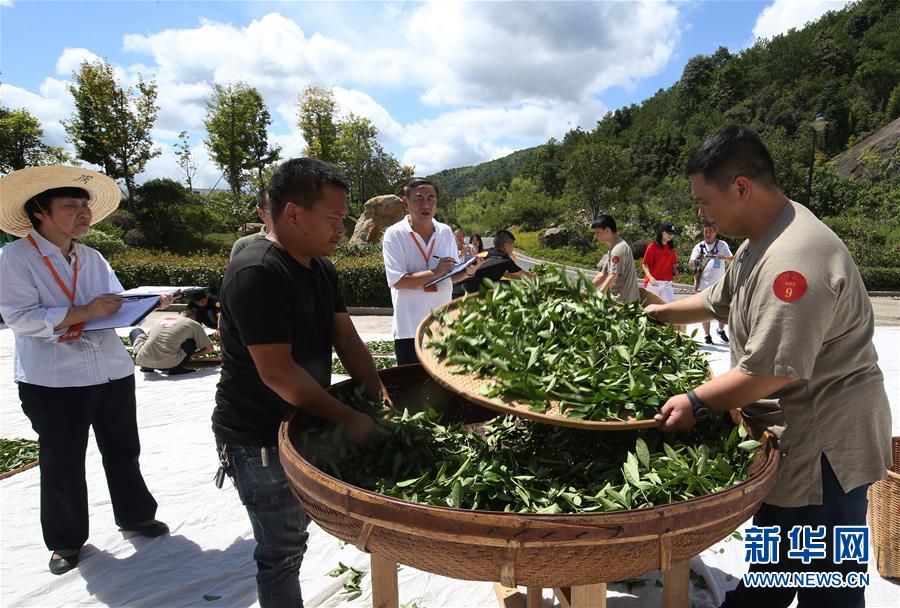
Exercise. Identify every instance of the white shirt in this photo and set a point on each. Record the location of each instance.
(715, 269)
(401, 257)
(32, 304)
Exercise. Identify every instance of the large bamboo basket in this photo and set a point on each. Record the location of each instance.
(884, 517)
(514, 549)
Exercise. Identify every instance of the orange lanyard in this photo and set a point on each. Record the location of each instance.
(425, 256)
(74, 331)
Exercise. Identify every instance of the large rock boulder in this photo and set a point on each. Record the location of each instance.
(882, 144)
(379, 212)
(556, 237)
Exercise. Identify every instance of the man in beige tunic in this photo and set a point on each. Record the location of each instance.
(617, 266)
(802, 328)
(170, 344)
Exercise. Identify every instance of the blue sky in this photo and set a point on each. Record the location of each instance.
(447, 84)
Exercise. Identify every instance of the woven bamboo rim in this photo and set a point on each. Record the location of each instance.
(534, 550)
(20, 469)
(469, 386)
(884, 517)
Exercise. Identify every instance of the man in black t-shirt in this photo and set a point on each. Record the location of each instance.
(498, 263)
(282, 311)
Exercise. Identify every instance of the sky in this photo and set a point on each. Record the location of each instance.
(447, 84)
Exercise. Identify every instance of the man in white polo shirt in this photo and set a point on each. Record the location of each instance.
(417, 250)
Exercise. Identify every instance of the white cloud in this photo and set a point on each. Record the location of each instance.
(361, 104)
(71, 59)
(6, 3)
(53, 104)
(515, 52)
(497, 76)
(782, 15)
(474, 135)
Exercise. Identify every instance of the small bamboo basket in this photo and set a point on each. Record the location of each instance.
(884, 517)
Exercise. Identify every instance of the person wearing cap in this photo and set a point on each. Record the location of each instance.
(708, 260)
(417, 250)
(659, 263)
(804, 365)
(616, 268)
(70, 380)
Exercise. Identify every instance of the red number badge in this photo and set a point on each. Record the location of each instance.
(790, 285)
(615, 259)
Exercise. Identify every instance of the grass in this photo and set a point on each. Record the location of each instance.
(17, 453)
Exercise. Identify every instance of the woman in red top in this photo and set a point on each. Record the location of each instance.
(659, 263)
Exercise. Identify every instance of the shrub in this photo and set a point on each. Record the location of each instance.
(135, 238)
(141, 267)
(105, 243)
(362, 277)
(363, 280)
(881, 278)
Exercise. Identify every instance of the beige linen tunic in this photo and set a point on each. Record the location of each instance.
(796, 306)
(161, 348)
(619, 259)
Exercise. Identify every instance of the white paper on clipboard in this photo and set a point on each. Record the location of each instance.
(455, 270)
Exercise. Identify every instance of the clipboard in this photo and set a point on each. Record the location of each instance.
(455, 270)
(132, 312)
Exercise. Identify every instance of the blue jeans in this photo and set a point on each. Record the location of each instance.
(838, 508)
(279, 524)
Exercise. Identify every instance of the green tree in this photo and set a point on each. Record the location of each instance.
(316, 113)
(596, 173)
(111, 126)
(369, 169)
(185, 158)
(20, 142)
(237, 139)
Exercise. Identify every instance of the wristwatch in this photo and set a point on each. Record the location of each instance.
(700, 410)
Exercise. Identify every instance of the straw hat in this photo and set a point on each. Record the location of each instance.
(19, 186)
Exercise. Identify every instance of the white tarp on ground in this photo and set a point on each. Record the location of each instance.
(207, 560)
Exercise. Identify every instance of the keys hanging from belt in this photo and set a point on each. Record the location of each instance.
(223, 467)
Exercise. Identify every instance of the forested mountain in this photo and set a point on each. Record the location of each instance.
(845, 66)
(461, 181)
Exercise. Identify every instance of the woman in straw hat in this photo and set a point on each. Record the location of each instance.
(70, 380)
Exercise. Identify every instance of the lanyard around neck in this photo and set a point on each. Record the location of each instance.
(425, 256)
(69, 294)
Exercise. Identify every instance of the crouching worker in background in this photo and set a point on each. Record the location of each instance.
(70, 380)
(172, 341)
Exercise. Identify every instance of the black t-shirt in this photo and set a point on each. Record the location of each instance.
(495, 265)
(268, 297)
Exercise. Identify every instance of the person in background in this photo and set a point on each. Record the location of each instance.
(170, 344)
(417, 250)
(708, 260)
(206, 308)
(498, 264)
(276, 358)
(71, 380)
(262, 206)
(804, 365)
(659, 263)
(464, 250)
(616, 268)
(476, 242)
